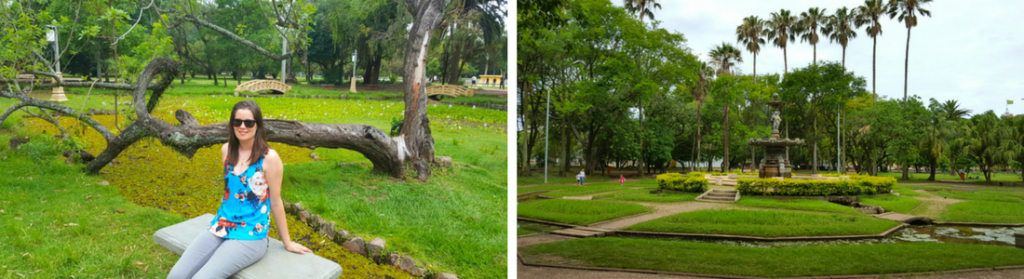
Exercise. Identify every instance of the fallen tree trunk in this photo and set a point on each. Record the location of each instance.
(385, 153)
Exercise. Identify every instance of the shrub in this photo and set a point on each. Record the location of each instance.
(856, 185)
(678, 182)
(701, 174)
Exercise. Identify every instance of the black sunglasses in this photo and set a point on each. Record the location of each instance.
(238, 122)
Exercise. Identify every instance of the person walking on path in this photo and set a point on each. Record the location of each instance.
(237, 236)
(502, 85)
(622, 180)
(583, 176)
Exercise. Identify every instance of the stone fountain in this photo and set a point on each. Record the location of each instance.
(774, 164)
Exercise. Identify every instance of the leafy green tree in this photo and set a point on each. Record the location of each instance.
(816, 91)
(906, 11)
(987, 139)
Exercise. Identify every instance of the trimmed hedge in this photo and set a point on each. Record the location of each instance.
(678, 182)
(698, 173)
(856, 185)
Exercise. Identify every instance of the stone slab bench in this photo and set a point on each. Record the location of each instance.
(277, 263)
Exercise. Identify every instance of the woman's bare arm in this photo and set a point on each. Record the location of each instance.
(274, 170)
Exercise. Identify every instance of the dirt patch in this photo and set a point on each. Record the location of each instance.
(660, 210)
(540, 238)
(933, 207)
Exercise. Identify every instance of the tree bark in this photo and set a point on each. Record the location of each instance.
(874, 79)
(725, 160)
(187, 138)
(785, 62)
(416, 129)
(906, 68)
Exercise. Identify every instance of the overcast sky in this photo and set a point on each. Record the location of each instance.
(970, 51)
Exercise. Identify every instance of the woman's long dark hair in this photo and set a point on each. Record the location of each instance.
(259, 145)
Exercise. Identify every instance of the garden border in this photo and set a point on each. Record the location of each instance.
(523, 261)
(373, 250)
(884, 234)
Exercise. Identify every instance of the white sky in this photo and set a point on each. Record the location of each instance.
(970, 51)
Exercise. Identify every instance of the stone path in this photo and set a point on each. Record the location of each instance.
(584, 232)
(539, 238)
(902, 218)
(660, 210)
(549, 272)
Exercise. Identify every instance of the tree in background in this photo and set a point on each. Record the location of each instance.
(751, 35)
(809, 25)
(906, 11)
(782, 31)
(869, 14)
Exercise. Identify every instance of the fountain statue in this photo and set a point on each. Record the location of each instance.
(774, 164)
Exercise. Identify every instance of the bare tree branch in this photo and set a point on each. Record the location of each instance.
(238, 39)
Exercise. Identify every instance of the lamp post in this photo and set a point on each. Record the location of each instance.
(58, 91)
(353, 87)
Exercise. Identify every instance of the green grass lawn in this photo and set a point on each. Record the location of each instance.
(797, 204)
(985, 212)
(892, 203)
(644, 195)
(765, 223)
(454, 223)
(711, 258)
(577, 212)
(573, 190)
(923, 177)
(538, 178)
(57, 222)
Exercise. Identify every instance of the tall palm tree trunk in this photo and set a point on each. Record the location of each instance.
(906, 68)
(844, 58)
(815, 54)
(874, 52)
(699, 105)
(755, 71)
(785, 62)
(725, 161)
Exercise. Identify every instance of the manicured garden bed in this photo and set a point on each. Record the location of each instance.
(578, 212)
(712, 258)
(764, 223)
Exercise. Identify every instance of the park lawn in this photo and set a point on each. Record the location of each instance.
(476, 184)
(713, 258)
(985, 212)
(573, 190)
(892, 203)
(797, 204)
(765, 223)
(908, 190)
(538, 178)
(644, 195)
(477, 99)
(578, 212)
(923, 177)
(57, 222)
(984, 194)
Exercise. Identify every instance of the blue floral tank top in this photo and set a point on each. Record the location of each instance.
(244, 212)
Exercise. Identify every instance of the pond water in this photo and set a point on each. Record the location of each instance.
(997, 236)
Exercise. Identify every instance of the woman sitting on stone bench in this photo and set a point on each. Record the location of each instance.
(237, 236)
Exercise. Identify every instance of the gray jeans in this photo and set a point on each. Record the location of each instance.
(210, 256)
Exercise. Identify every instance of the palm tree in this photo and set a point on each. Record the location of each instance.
(642, 8)
(950, 111)
(700, 92)
(869, 14)
(751, 34)
(723, 57)
(840, 29)
(907, 11)
(781, 31)
(810, 22)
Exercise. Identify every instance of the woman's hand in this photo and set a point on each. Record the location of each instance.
(296, 248)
